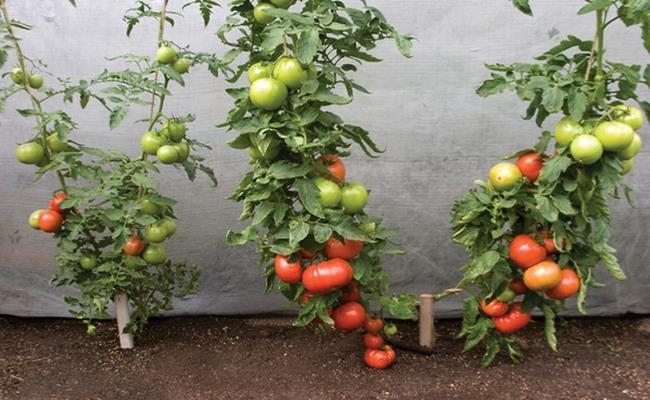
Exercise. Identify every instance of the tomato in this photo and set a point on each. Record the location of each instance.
(504, 176)
(542, 276)
(174, 130)
(379, 358)
(283, 3)
(259, 70)
(390, 330)
(354, 197)
(351, 292)
(305, 297)
(18, 76)
(35, 81)
(169, 224)
(349, 316)
(134, 246)
(167, 154)
(151, 142)
(154, 254)
(260, 15)
(335, 167)
(165, 55)
(327, 276)
(627, 166)
(33, 219)
(514, 320)
(30, 153)
(507, 295)
(586, 149)
(88, 261)
(91, 330)
(495, 308)
(55, 203)
(614, 135)
(182, 65)
(373, 341)
(55, 144)
(268, 94)
(525, 252)
(288, 272)
(568, 286)
(518, 286)
(530, 164)
(566, 130)
(183, 150)
(289, 71)
(631, 116)
(50, 221)
(329, 192)
(632, 150)
(373, 325)
(149, 207)
(347, 250)
(549, 243)
(307, 254)
(155, 233)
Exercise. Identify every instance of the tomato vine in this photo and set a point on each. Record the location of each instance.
(540, 236)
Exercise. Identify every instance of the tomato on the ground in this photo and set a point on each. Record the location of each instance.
(379, 358)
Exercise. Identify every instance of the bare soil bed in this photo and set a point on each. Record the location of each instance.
(196, 358)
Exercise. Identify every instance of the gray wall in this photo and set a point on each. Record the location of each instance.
(439, 136)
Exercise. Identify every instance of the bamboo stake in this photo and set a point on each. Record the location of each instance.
(427, 328)
(123, 318)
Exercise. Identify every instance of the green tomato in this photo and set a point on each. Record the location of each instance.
(567, 129)
(35, 81)
(259, 12)
(631, 116)
(627, 166)
(182, 65)
(91, 330)
(149, 207)
(329, 192)
(88, 261)
(614, 135)
(507, 295)
(151, 142)
(167, 154)
(154, 254)
(169, 224)
(283, 3)
(259, 70)
(289, 71)
(30, 153)
(174, 130)
(33, 219)
(18, 76)
(155, 233)
(504, 176)
(632, 150)
(55, 144)
(586, 149)
(183, 150)
(354, 197)
(390, 329)
(165, 55)
(268, 94)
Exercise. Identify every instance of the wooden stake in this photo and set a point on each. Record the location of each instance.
(123, 318)
(427, 330)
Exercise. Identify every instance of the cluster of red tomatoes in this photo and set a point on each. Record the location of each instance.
(378, 354)
(52, 219)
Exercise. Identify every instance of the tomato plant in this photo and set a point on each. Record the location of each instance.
(518, 235)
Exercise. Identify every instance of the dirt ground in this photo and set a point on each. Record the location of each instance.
(210, 358)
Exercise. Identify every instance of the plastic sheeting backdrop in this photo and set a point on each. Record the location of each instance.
(439, 137)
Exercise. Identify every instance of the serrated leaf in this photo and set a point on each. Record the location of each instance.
(288, 170)
(577, 103)
(326, 96)
(262, 211)
(322, 233)
(523, 6)
(546, 208)
(476, 333)
(595, 5)
(608, 258)
(404, 44)
(298, 231)
(492, 86)
(116, 116)
(241, 238)
(308, 45)
(549, 327)
(492, 348)
(309, 197)
(553, 99)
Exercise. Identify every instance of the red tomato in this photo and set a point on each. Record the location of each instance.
(568, 286)
(518, 286)
(351, 292)
(134, 246)
(513, 321)
(349, 316)
(549, 244)
(305, 297)
(56, 201)
(372, 341)
(530, 165)
(327, 275)
(346, 250)
(525, 252)
(543, 276)
(373, 325)
(50, 221)
(495, 308)
(307, 254)
(379, 358)
(289, 272)
(335, 166)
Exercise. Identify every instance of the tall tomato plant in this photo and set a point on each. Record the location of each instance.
(297, 58)
(108, 217)
(538, 228)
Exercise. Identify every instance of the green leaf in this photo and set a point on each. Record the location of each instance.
(325, 96)
(549, 327)
(608, 258)
(554, 167)
(3, 57)
(322, 233)
(116, 116)
(307, 46)
(298, 231)
(287, 170)
(239, 239)
(404, 44)
(476, 333)
(479, 266)
(546, 208)
(553, 99)
(492, 348)
(577, 103)
(262, 211)
(523, 6)
(493, 86)
(596, 5)
(309, 197)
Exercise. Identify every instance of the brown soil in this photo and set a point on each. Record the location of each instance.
(266, 358)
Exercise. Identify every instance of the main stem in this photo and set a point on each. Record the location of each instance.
(600, 34)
